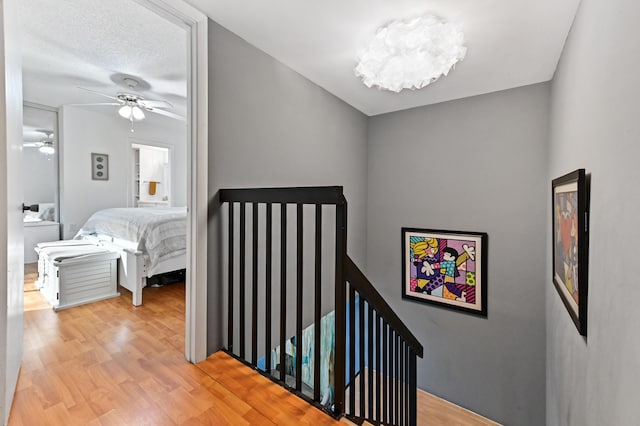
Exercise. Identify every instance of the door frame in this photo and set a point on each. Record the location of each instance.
(11, 198)
(196, 25)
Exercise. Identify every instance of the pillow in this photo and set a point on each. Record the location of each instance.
(47, 212)
(30, 216)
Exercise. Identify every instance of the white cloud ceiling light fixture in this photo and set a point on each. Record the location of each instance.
(411, 54)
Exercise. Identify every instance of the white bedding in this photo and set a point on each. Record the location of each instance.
(160, 233)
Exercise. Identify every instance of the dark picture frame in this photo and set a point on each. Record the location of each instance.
(99, 166)
(569, 200)
(445, 268)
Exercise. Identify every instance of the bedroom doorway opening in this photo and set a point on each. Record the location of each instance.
(196, 25)
(84, 83)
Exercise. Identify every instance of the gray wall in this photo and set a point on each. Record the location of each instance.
(269, 126)
(595, 125)
(477, 164)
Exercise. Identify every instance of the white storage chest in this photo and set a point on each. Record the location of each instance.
(75, 273)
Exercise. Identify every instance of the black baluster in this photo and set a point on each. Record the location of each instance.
(243, 256)
(396, 350)
(406, 384)
(412, 389)
(318, 304)
(231, 283)
(403, 376)
(300, 259)
(378, 367)
(340, 302)
(384, 371)
(352, 350)
(267, 336)
(363, 348)
(370, 365)
(254, 279)
(392, 376)
(283, 288)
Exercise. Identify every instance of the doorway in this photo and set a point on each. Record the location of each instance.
(193, 23)
(11, 251)
(151, 179)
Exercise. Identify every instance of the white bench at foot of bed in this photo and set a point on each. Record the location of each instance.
(133, 266)
(72, 274)
(84, 279)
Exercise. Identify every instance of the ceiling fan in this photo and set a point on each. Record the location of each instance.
(133, 106)
(45, 144)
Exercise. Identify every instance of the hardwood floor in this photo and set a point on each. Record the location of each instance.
(106, 362)
(432, 411)
(110, 363)
(273, 401)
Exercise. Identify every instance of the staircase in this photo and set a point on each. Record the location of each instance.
(301, 312)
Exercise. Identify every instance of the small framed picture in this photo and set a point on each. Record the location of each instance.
(99, 166)
(570, 244)
(445, 268)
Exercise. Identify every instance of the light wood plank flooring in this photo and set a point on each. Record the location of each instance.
(110, 363)
(432, 411)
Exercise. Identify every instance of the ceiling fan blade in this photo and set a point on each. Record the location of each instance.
(97, 104)
(32, 144)
(154, 104)
(167, 114)
(98, 93)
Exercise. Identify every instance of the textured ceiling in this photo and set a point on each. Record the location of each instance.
(510, 43)
(70, 43)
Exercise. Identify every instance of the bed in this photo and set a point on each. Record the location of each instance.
(151, 241)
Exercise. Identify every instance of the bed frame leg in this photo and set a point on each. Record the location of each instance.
(136, 295)
(141, 281)
(132, 274)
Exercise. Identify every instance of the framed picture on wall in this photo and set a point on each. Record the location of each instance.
(445, 268)
(570, 244)
(99, 166)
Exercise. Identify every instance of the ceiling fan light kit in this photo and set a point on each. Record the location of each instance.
(130, 112)
(47, 148)
(44, 145)
(411, 54)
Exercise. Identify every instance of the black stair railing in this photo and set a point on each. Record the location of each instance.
(385, 351)
(381, 356)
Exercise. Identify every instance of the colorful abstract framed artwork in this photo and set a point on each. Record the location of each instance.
(570, 244)
(445, 268)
